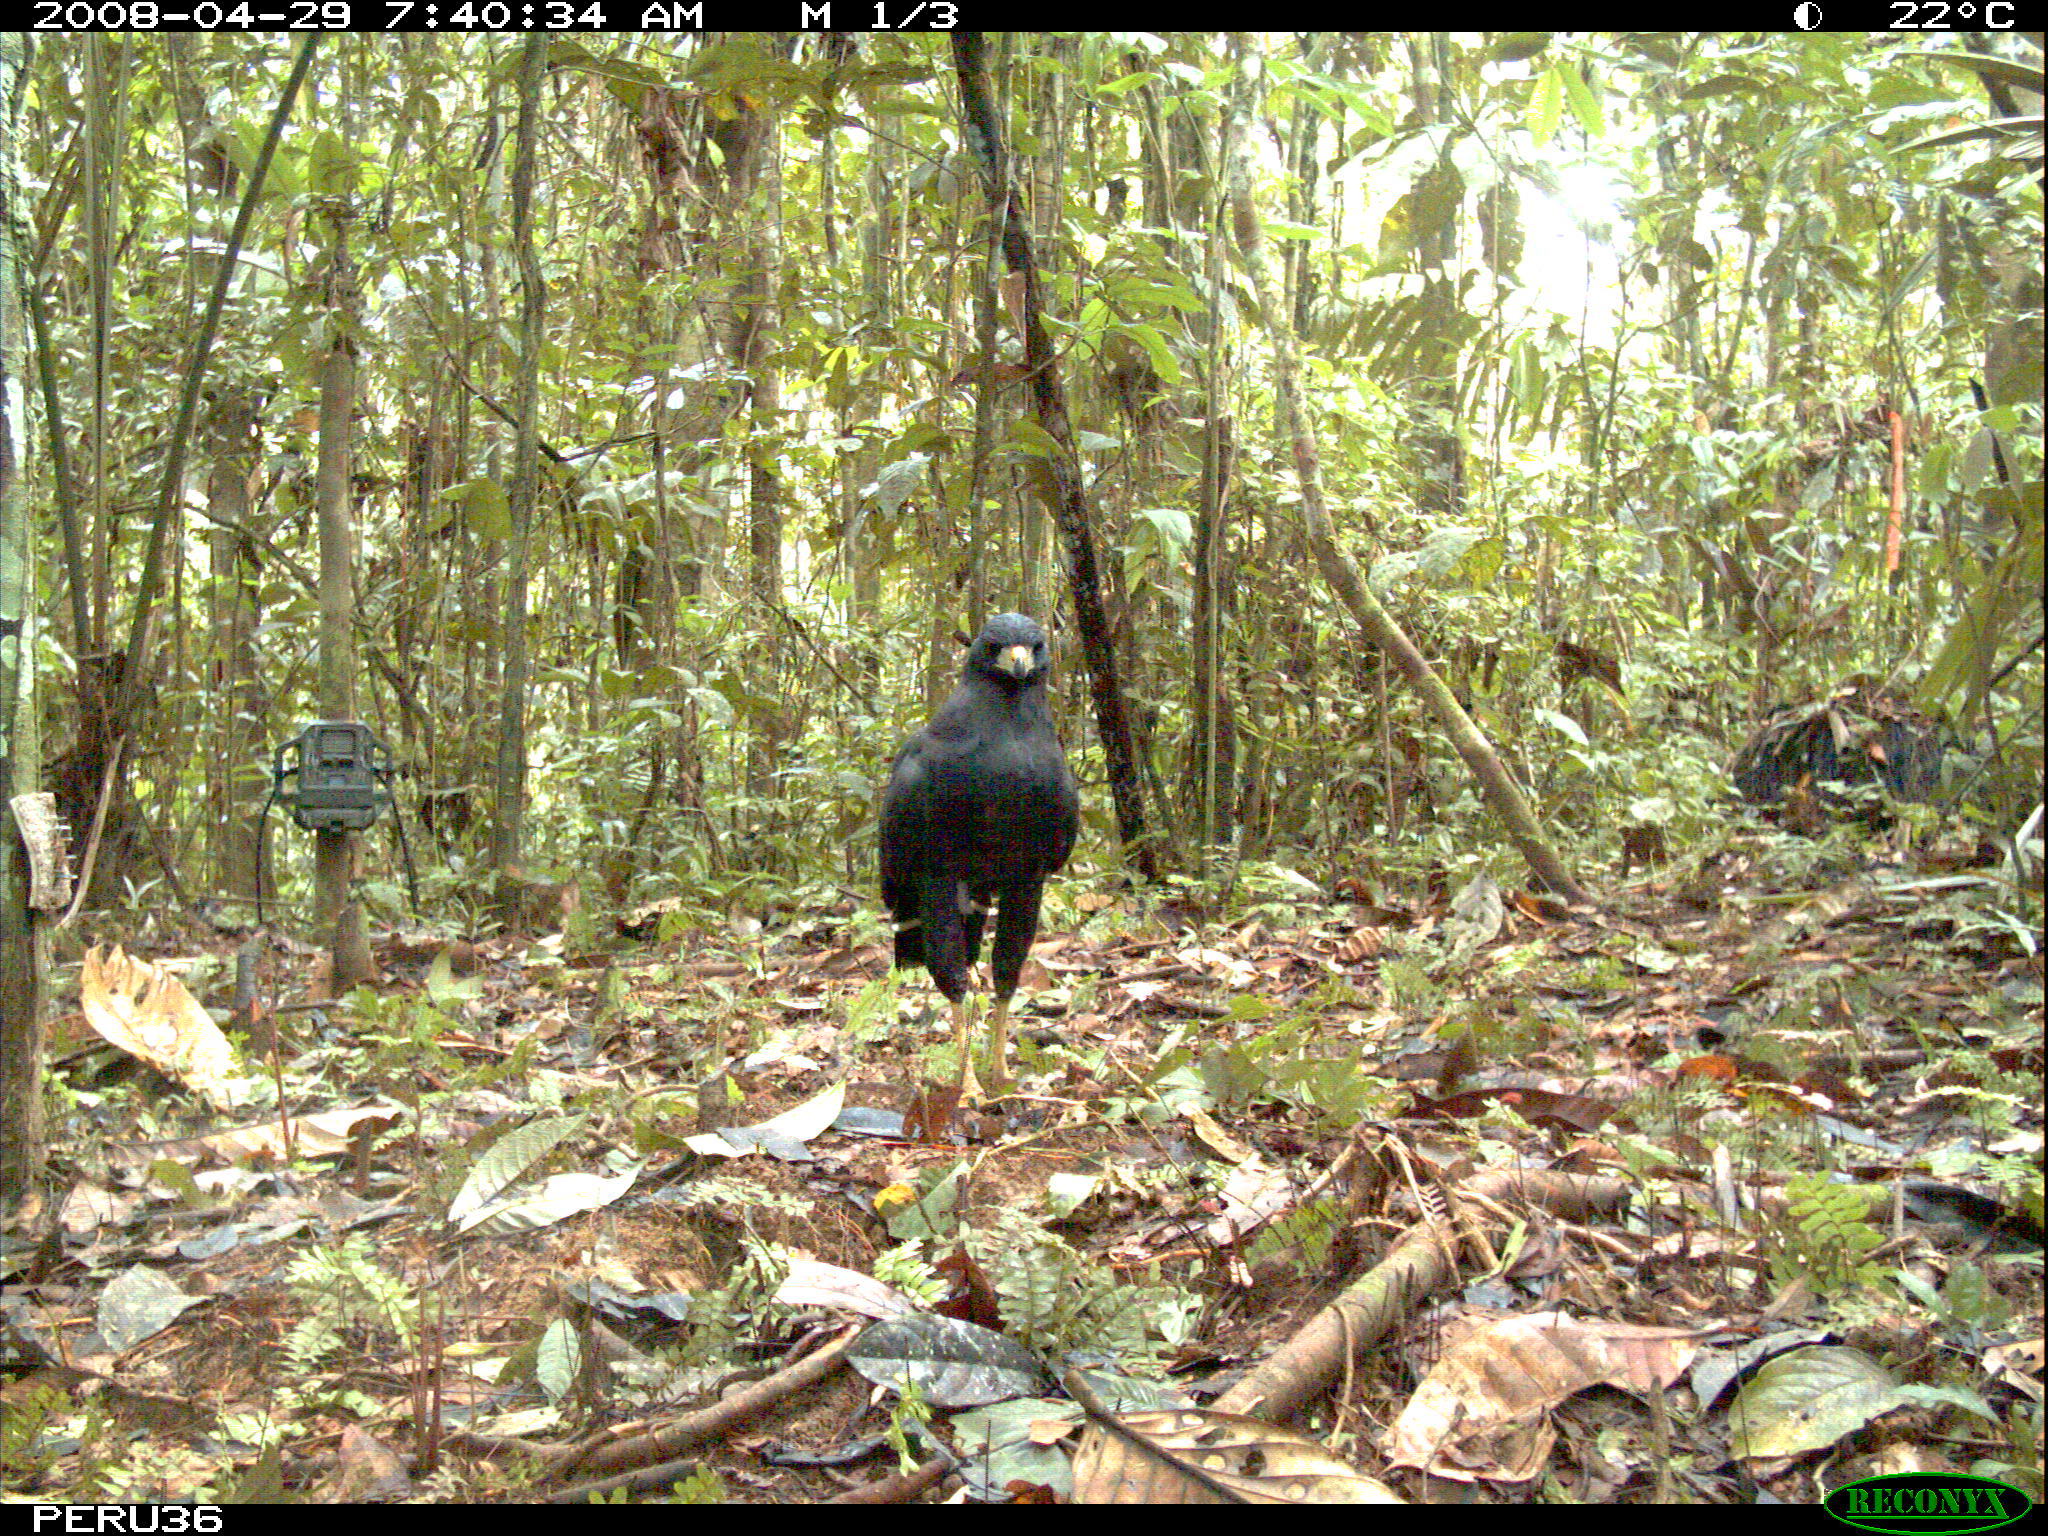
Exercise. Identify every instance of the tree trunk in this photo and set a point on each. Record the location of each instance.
(1069, 501)
(23, 954)
(509, 788)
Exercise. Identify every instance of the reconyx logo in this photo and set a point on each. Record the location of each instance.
(1927, 1502)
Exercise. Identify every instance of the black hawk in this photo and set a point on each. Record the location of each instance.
(980, 807)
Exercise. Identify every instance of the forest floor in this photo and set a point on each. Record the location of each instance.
(1728, 1192)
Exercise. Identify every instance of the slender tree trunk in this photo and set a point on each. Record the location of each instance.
(334, 851)
(509, 798)
(1440, 443)
(24, 955)
(237, 683)
(1069, 500)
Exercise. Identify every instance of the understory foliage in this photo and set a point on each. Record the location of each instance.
(1607, 362)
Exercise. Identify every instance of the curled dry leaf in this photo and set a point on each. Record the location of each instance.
(146, 1011)
(1484, 1410)
(1234, 1459)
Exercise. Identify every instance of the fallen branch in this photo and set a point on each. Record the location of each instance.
(1370, 1307)
(654, 1455)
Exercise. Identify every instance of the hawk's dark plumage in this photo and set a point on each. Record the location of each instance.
(979, 809)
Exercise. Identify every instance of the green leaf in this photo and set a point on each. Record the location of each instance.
(1172, 529)
(1721, 85)
(1516, 46)
(1027, 436)
(1808, 1400)
(330, 165)
(1546, 106)
(2028, 77)
(486, 511)
(1065, 1193)
(1564, 725)
(442, 987)
(1585, 104)
(1953, 1397)
(1164, 363)
(558, 1360)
